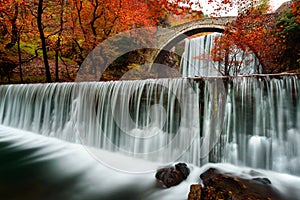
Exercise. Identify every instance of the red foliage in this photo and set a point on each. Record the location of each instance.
(253, 33)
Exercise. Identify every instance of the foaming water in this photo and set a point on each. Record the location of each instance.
(39, 167)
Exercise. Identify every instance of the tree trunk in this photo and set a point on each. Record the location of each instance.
(226, 64)
(56, 66)
(14, 29)
(20, 60)
(57, 49)
(43, 40)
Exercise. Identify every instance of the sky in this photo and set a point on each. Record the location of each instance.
(277, 3)
(207, 8)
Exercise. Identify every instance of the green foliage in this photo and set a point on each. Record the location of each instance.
(288, 27)
(28, 47)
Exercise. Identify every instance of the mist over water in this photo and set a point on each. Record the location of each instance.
(39, 167)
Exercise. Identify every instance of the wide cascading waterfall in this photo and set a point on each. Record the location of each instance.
(197, 59)
(250, 121)
(149, 119)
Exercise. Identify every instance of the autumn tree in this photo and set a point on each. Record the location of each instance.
(106, 19)
(40, 25)
(71, 29)
(97, 20)
(48, 20)
(253, 32)
(55, 30)
(8, 27)
(13, 17)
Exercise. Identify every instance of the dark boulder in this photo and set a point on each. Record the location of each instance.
(219, 185)
(171, 176)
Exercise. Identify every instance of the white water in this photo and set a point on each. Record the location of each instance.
(40, 167)
(264, 116)
(197, 59)
(249, 121)
(147, 119)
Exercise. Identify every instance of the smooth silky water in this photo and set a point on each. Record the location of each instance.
(105, 140)
(197, 59)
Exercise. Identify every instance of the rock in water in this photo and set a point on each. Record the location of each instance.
(171, 176)
(195, 192)
(218, 185)
(182, 167)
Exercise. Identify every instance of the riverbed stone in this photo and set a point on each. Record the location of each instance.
(220, 185)
(195, 192)
(171, 176)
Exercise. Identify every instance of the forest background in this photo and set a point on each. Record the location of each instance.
(47, 41)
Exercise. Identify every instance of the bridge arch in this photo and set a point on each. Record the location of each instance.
(181, 36)
(183, 31)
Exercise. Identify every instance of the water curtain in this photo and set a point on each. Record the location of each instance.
(249, 121)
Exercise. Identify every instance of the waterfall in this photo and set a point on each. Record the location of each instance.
(197, 59)
(263, 116)
(249, 121)
(149, 119)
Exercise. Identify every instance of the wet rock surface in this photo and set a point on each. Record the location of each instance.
(218, 185)
(171, 176)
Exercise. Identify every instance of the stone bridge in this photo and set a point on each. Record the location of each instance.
(169, 37)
